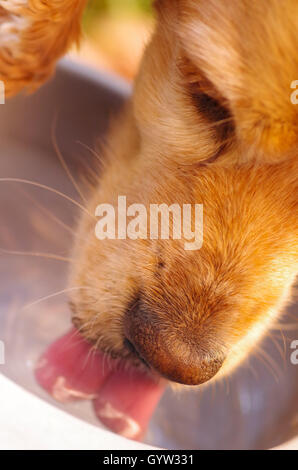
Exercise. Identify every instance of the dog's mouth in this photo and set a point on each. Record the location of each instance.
(126, 384)
(124, 397)
(135, 356)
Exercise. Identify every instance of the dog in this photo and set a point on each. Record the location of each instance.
(210, 121)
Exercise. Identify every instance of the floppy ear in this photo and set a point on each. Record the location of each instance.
(163, 7)
(34, 34)
(248, 50)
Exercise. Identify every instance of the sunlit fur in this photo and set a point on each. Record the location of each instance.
(211, 122)
(34, 34)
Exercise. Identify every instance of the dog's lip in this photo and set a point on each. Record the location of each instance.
(134, 354)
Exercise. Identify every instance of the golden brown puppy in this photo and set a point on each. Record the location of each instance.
(210, 122)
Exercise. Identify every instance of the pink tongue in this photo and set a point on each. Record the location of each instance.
(124, 400)
(126, 403)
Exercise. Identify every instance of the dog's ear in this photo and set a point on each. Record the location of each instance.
(160, 4)
(248, 51)
(33, 36)
(165, 8)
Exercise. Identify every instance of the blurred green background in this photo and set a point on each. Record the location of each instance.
(116, 7)
(115, 35)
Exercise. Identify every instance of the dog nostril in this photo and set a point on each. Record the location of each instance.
(177, 357)
(129, 345)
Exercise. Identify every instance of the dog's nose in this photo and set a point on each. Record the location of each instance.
(176, 355)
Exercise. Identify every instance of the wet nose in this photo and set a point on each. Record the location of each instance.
(176, 355)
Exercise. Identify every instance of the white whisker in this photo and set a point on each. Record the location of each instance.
(36, 254)
(56, 294)
(63, 163)
(52, 190)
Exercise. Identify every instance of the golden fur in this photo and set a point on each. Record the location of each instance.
(210, 122)
(34, 34)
